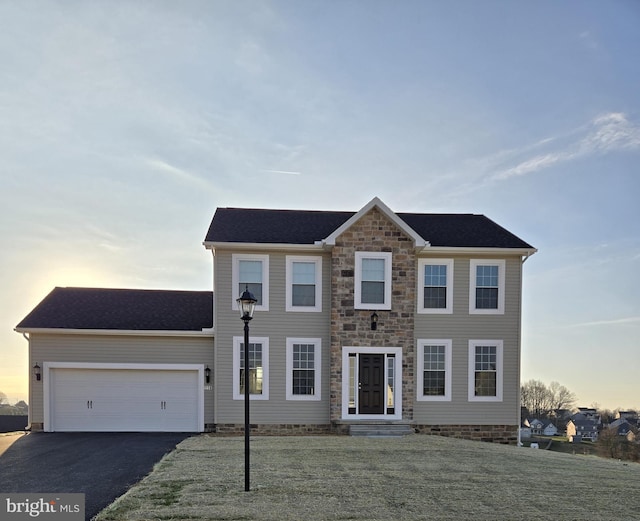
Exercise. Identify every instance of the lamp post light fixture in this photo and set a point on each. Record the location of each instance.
(246, 305)
(36, 372)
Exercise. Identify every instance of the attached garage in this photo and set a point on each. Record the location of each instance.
(123, 397)
(113, 360)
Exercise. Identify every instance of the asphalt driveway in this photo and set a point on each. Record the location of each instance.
(100, 465)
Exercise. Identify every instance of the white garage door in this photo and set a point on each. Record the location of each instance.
(91, 399)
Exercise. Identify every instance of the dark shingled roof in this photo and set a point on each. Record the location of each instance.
(307, 227)
(122, 309)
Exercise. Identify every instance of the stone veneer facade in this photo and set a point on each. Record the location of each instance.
(373, 232)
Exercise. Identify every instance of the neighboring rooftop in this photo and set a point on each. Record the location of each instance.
(122, 309)
(251, 225)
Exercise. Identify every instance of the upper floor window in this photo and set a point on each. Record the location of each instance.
(435, 283)
(258, 368)
(304, 283)
(434, 370)
(486, 286)
(303, 369)
(251, 271)
(372, 280)
(485, 370)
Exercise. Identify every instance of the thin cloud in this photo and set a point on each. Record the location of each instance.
(286, 172)
(606, 133)
(613, 322)
(178, 174)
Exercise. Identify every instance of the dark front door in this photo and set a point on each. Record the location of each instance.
(371, 384)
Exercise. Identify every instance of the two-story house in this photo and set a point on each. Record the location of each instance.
(366, 316)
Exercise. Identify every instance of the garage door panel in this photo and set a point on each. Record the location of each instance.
(124, 400)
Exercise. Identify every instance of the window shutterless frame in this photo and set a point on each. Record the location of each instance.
(261, 372)
(256, 267)
(304, 366)
(304, 283)
(434, 361)
(486, 370)
(486, 286)
(372, 280)
(435, 286)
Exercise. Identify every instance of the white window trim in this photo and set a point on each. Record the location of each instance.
(447, 376)
(499, 370)
(449, 302)
(358, 304)
(317, 368)
(317, 260)
(235, 276)
(237, 342)
(472, 286)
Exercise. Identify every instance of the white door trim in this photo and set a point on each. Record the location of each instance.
(47, 366)
(397, 353)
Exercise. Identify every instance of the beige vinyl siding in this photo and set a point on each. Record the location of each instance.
(460, 327)
(276, 324)
(117, 349)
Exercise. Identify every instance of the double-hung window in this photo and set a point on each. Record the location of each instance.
(304, 283)
(435, 286)
(434, 370)
(252, 272)
(485, 370)
(372, 280)
(303, 368)
(258, 368)
(486, 288)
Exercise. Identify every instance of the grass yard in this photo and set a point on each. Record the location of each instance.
(411, 478)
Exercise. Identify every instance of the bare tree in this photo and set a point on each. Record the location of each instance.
(3, 398)
(535, 396)
(561, 397)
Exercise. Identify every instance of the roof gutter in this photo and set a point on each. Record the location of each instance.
(205, 333)
(451, 250)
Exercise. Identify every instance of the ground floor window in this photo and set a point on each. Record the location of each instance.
(434, 370)
(485, 370)
(258, 368)
(303, 379)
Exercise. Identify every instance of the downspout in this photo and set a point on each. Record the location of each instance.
(526, 257)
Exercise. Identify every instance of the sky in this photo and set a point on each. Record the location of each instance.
(125, 124)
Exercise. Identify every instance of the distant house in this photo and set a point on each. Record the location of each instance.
(537, 426)
(581, 428)
(588, 412)
(622, 427)
(550, 430)
(630, 416)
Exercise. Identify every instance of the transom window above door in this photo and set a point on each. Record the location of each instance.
(372, 280)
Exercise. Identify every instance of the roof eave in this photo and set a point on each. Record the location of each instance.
(462, 250)
(210, 245)
(207, 332)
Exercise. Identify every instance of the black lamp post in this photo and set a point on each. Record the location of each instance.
(246, 305)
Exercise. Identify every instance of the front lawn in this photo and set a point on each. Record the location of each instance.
(411, 478)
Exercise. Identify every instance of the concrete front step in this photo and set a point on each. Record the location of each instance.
(380, 429)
